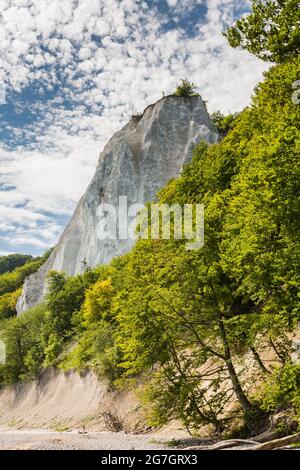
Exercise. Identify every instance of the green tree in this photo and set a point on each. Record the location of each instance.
(281, 391)
(10, 262)
(240, 291)
(11, 281)
(271, 31)
(98, 300)
(24, 353)
(188, 321)
(8, 304)
(223, 123)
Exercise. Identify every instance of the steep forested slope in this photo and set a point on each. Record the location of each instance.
(185, 319)
(13, 271)
(9, 262)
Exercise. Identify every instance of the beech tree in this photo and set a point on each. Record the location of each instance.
(271, 31)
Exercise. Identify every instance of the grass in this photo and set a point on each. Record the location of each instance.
(60, 426)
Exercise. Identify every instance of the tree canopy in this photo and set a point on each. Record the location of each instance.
(9, 262)
(271, 31)
(12, 279)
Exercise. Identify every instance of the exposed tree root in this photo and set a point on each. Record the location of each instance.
(276, 443)
(223, 444)
(251, 444)
(267, 436)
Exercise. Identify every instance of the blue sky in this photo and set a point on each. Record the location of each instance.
(73, 71)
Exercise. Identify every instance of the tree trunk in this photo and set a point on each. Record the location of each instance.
(239, 392)
(258, 360)
(278, 353)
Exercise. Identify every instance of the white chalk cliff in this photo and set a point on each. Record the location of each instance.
(136, 162)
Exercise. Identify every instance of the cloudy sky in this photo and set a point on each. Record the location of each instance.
(73, 71)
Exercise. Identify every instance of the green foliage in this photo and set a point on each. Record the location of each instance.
(271, 31)
(238, 292)
(95, 326)
(24, 354)
(8, 304)
(14, 269)
(98, 299)
(95, 348)
(224, 123)
(36, 338)
(185, 88)
(184, 319)
(182, 396)
(11, 281)
(10, 262)
(64, 301)
(282, 390)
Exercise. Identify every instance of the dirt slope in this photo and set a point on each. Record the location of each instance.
(63, 401)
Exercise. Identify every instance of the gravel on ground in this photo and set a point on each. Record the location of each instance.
(50, 440)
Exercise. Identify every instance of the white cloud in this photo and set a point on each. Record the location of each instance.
(39, 61)
(109, 59)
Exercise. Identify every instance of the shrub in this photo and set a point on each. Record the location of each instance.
(185, 88)
(8, 304)
(223, 123)
(282, 390)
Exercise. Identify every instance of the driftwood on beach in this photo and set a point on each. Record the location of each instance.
(255, 443)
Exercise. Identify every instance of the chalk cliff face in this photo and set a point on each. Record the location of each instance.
(136, 162)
